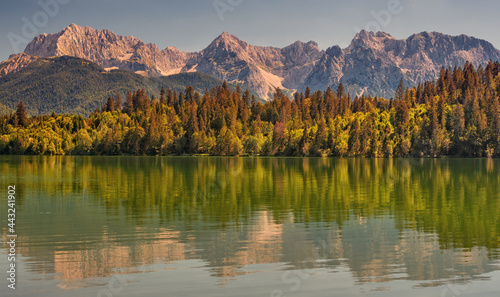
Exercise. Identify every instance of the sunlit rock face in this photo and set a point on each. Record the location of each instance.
(372, 64)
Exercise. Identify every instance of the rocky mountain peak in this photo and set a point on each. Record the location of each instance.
(334, 51)
(373, 63)
(363, 34)
(16, 63)
(366, 39)
(227, 41)
(312, 43)
(225, 35)
(74, 27)
(299, 45)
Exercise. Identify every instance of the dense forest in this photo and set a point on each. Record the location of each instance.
(77, 86)
(456, 115)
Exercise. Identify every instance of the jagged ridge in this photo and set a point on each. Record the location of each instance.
(373, 63)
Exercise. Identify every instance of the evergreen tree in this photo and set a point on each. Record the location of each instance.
(400, 90)
(110, 105)
(163, 99)
(118, 102)
(340, 91)
(129, 103)
(21, 115)
(170, 97)
(307, 94)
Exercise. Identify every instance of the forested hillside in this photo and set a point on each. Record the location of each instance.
(457, 115)
(77, 86)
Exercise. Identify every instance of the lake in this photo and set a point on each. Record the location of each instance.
(207, 226)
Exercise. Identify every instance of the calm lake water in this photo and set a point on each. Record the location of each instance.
(203, 226)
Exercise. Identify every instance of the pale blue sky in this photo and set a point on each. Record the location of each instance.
(191, 25)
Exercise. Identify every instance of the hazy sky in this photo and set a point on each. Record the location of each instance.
(191, 25)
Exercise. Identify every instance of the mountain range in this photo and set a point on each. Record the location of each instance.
(372, 64)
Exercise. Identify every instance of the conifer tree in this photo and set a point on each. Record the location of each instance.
(110, 105)
(400, 91)
(129, 103)
(163, 99)
(340, 91)
(118, 102)
(21, 115)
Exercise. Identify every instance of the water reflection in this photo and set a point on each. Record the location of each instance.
(424, 221)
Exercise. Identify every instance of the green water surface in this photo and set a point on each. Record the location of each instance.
(206, 226)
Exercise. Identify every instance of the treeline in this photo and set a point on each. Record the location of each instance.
(456, 115)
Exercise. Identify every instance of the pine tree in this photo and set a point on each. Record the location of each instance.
(308, 93)
(170, 97)
(458, 128)
(400, 91)
(279, 138)
(305, 142)
(163, 99)
(247, 97)
(110, 105)
(21, 115)
(340, 91)
(118, 102)
(129, 103)
(402, 116)
(354, 141)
